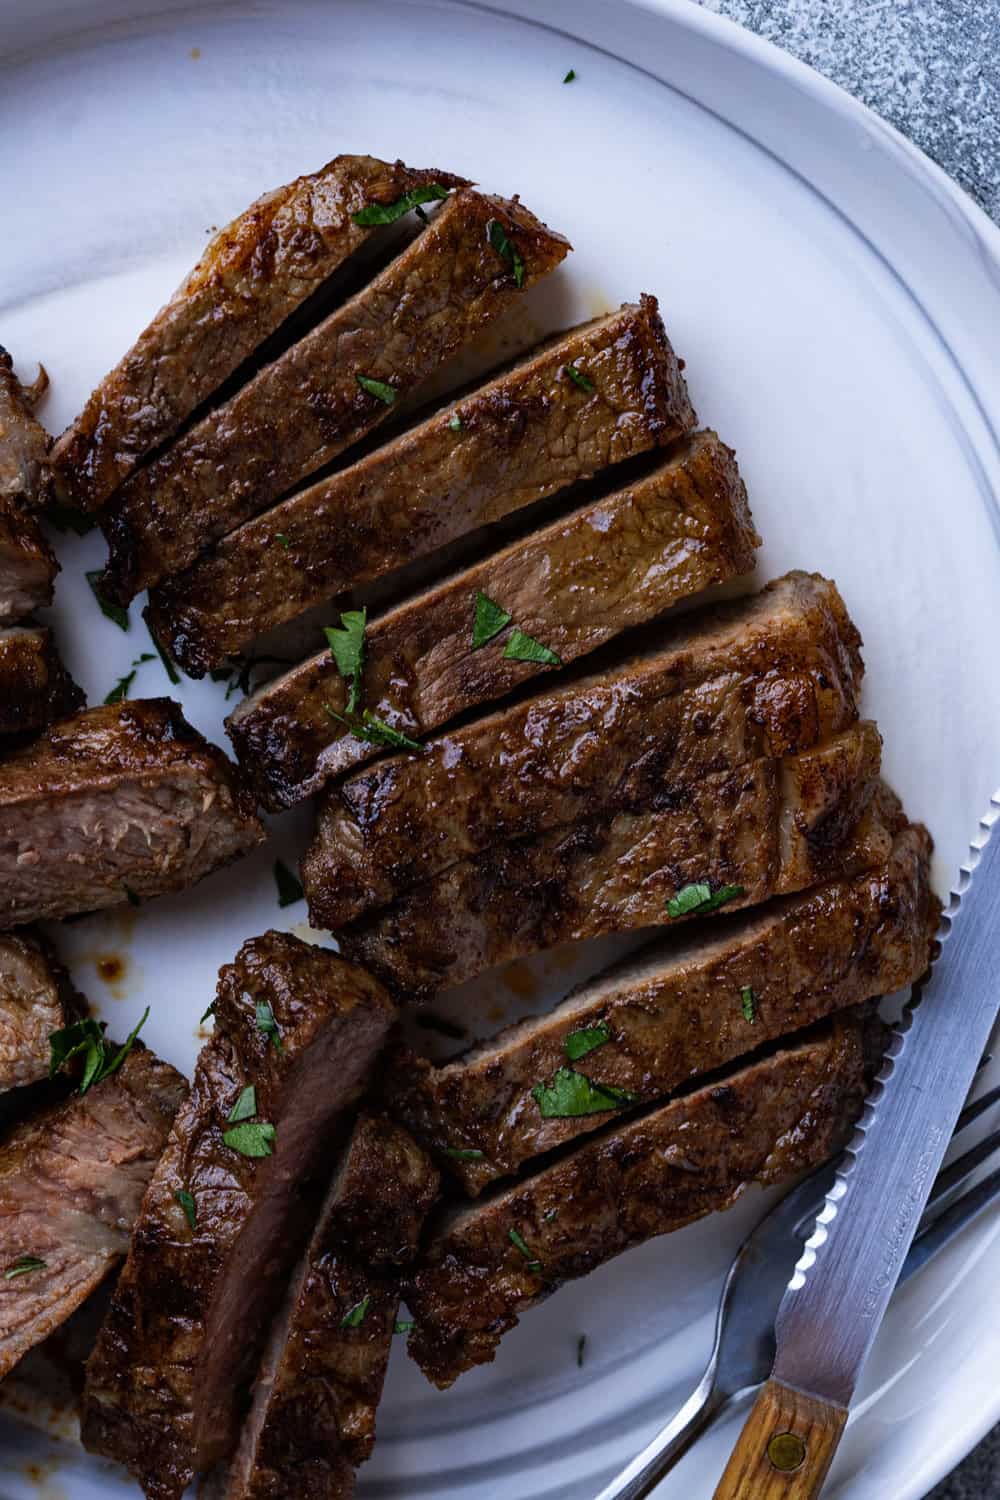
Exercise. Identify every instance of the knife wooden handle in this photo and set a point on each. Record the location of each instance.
(785, 1449)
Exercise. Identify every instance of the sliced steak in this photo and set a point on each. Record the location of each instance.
(573, 585)
(27, 564)
(767, 676)
(312, 1419)
(181, 1340)
(760, 1124)
(255, 272)
(24, 443)
(767, 829)
(522, 437)
(117, 802)
(71, 1182)
(310, 404)
(36, 998)
(684, 1006)
(35, 687)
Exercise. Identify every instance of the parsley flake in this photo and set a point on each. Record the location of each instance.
(23, 1265)
(281, 538)
(581, 1345)
(578, 378)
(518, 1242)
(455, 422)
(460, 1153)
(692, 900)
(120, 691)
(372, 730)
(570, 76)
(289, 886)
(254, 1138)
(110, 611)
(187, 1203)
(356, 1315)
(490, 618)
(497, 236)
(172, 673)
(388, 213)
(749, 1001)
(377, 388)
(268, 1025)
(210, 1011)
(245, 1107)
(86, 1039)
(579, 1043)
(403, 1325)
(570, 1094)
(523, 647)
(347, 647)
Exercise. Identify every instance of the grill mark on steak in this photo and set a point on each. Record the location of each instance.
(254, 274)
(36, 998)
(35, 687)
(772, 827)
(573, 585)
(25, 482)
(182, 1337)
(312, 1419)
(762, 1123)
(771, 675)
(307, 406)
(119, 798)
(71, 1182)
(674, 1012)
(524, 436)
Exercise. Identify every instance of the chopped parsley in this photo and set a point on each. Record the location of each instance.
(120, 691)
(110, 611)
(289, 886)
(570, 76)
(23, 1265)
(428, 1020)
(497, 236)
(403, 1325)
(455, 422)
(693, 900)
(518, 1242)
(749, 1001)
(460, 1153)
(172, 673)
(356, 1315)
(86, 1039)
(187, 1203)
(268, 1025)
(245, 1107)
(581, 1345)
(388, 213)
(210, 1011)
(523, 647)
(281, 538)
(578, 378)
(490, 618)
(254, 1138)
(377, 388)
(372, 730)
(347, 647)
(570, 1094)
(579, 1043)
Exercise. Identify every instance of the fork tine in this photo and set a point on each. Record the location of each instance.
(977, 1108)
(959, 1171)
(946, 1226)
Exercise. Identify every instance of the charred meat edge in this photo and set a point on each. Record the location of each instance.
(35, 687)
(37, 997)
(24, 444)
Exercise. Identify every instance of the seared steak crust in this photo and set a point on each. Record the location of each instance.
(36, 998)
(182, 1337)
(770, 828)
(313, 1412)
(35, 687)
(253, 275)
(27, 564)
(119, 799)
(524, 436)
(760, 1124)
(676, 1011)
(24, 443)
(71, 1182)
(308, 405)
(573, 585)
(771, 675)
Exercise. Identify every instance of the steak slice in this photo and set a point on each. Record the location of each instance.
(684, 1006)
(24, 443)
(768, 829)
(36, 998)
(770, 675)
(522, 437)
(255, 272)
(575, 584)
(181, 1339)
(762, 1123)
(27, 564)
(35, 687)
(312, 1419)
(117, 802)
(309, 405)
(71, 1182)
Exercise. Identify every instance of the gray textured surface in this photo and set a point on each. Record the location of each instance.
(932, 68)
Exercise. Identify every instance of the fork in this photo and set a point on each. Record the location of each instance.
(743, 1352)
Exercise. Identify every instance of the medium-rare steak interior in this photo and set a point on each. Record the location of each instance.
(328, 390)
(119, 802)
(71, 1182)
(560, 592)
(297, 1031)
(684, 1006)
(35, 687)
(770, 675)
(252, 276)
(36, 998)
(526, 435)
(312, 1419)
(761, 1123)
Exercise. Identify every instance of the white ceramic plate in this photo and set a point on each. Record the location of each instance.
(837, 301)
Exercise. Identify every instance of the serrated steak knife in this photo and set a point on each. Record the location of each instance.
(836, 1300)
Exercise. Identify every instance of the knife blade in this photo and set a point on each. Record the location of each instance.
(841, 1287)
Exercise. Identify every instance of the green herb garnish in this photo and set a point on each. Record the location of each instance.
(86, 1039)
(356, 1315)
(490, 618)
(578, 378)
(388, 213)
(245, 1107)
(23, 1265)
(749, 1000)
(268, 1025)
(251, 1139)
(347, 647)
(168, 666)
(521, 647)
(581, 1345)
(110, 611)
(279, 536)
(518, 1242)
(579, 1043)
(699, 897)
(372, 730)
(210, 1011)
(570, 1094)
(570, 76)
(289, 886)
(497, 236)
(377, 388)
(455, 422)
(403, 1325)
(120, 691)
(459, 1153)
(187, 1203)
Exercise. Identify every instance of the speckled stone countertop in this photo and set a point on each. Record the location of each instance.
(931, 68)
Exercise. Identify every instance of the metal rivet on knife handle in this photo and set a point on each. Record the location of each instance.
(786, 1451)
